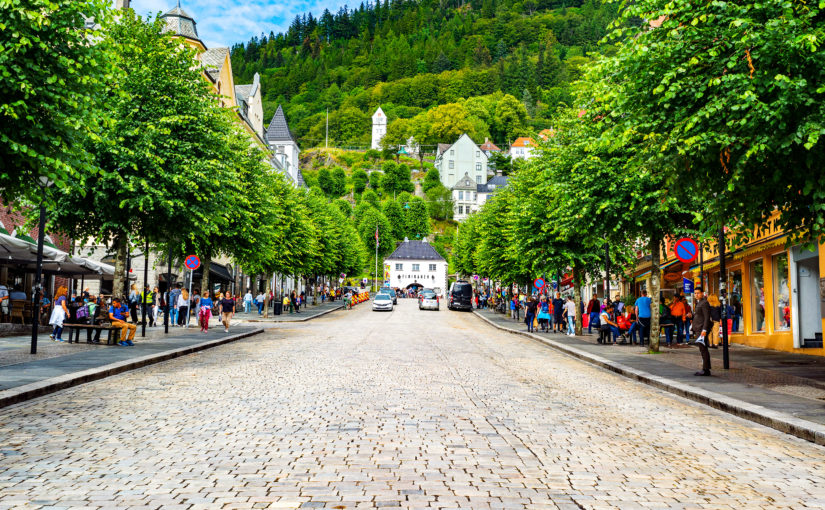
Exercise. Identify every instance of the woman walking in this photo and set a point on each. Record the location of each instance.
(134, 299)
(570, 311)
(59, 314)
(227, 306)
(530, 313)
(204, 312)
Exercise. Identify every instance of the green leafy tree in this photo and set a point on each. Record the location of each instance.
(325, 181)
(439, 202)
(510, 118)
(375, 180)
(370, 197)
(731, 96)
(359, 181)
(53, 83)
(344, 206)
(395, 215)
(372, 221)
(418, 219)
(339, 182)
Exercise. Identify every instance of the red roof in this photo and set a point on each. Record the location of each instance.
(489, 146)
(523, 141)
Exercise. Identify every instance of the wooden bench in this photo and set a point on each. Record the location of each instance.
(75, 328)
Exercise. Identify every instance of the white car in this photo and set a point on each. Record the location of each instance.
(428, 300)
(382, 302)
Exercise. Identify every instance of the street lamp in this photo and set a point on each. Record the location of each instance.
(44, 183)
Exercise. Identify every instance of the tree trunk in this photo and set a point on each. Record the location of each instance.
(577, 297)
(206, 263)
(267, 288)
(653, 292)
(120, 276)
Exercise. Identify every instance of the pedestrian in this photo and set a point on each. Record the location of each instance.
(701, 326)
(530, 313)
(147, 302)
(260, 301)
(158, 305)
(688, 319)
(514, 307)
(643, 312)
(558, 314)
(134, 300)
(286, 303)
(204, 311)
(183, 308)
(570, 311)
(593, 309)
(716, 320)
(117, 315)
(635, 326)
(59, 314)
(678, 310)
(736, 312)
(174, 309)
(544, 314)
(227, 306)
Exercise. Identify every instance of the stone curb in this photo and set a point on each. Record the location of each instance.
(302, 319)
(53, 384)
(782, 422)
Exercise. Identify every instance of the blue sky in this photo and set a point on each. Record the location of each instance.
(226, 22)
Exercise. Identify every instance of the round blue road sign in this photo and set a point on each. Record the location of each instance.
(686, 250)
(192, 262)
(538, 283)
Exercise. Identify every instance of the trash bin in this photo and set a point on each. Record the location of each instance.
(279, 307)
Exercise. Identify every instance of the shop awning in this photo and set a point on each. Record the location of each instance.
(663, 266)
(767, 245)
(23, 254)
(216, 271)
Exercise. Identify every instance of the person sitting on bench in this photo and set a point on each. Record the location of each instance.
(608, 326)
(117, 314)
(100, 316)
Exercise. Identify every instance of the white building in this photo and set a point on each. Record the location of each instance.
(416, 263)
(379, 127)
(286, 149)
(462, 157)
(523, 148)
(468, 197)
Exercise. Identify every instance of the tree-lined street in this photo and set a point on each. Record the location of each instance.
(362, 409)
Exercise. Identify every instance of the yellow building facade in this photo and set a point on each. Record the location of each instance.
(778, 293)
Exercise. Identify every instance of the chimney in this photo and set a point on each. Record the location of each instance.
(122, 4)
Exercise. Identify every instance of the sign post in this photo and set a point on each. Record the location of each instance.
(192, 262)
(539, 284)
(686, 250)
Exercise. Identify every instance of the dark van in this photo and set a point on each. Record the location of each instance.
(460, 296)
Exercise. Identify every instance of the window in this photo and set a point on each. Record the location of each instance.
(399, 267)
(452, 164)
(478, 179)
(452, 152)
(735, 293)
(461, 195)
(475, 196)
(781, 293)
(461, 209)
(452, 177)
(416, 267)
(432, 267)
(757, 295)
(478, 154)
(478, 167)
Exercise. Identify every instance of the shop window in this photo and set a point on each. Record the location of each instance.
(757, 295)
(781, 293)
(735, 293)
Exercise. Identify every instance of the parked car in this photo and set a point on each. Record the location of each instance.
(390, 292)
(460, 296)
(382, 302)
(428, 300)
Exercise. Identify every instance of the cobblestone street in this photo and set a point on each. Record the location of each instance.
(409, 408)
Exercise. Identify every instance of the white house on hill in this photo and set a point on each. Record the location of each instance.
(379, 127)
(416, 263)
(462, 157)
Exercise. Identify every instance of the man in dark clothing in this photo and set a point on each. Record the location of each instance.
(558, 312)
(700, 326)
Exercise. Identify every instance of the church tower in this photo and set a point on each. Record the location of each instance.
(379, 127)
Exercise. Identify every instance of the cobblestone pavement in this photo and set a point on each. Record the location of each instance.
(409, 408)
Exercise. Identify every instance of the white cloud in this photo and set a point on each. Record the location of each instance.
(227, 22)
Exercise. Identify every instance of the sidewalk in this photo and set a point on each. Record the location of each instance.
(61, 365)
(306, 313)
(781, 390)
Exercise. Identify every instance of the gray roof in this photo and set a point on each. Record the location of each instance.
(178, 22)
(242, 92)
(278, 130)
(213, 60)
(466, 183)
(415, 250)
(442, 148)
(493, 184)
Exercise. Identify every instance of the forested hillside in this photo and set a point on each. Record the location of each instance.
(409, 56)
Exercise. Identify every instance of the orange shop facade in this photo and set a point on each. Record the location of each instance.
(778, 294)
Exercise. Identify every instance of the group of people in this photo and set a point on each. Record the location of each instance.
(292, 301)
(557, 314)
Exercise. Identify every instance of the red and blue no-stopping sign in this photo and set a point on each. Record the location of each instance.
(539, 283)
(192, 262)
(686, 250)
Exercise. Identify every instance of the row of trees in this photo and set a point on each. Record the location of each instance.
(707, 122)
(140, 150)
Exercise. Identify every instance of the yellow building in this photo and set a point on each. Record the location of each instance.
(778, 293)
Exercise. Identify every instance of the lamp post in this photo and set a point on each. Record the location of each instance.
(44, 184)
